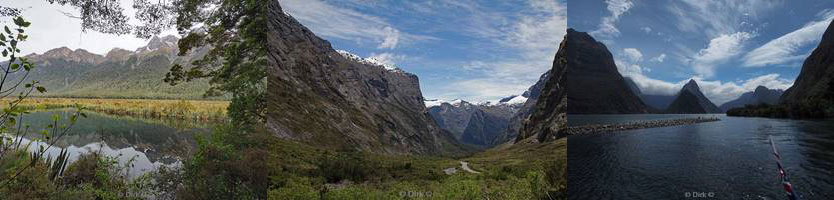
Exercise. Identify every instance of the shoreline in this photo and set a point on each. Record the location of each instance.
(608, 128)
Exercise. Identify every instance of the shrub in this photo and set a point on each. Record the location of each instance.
(335, 167)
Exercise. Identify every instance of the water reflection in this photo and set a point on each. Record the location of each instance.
(147, 143)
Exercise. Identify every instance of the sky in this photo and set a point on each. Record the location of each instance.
(51, 28)
(728, 46)
(476, 50)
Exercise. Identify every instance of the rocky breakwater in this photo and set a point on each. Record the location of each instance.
(607, 128)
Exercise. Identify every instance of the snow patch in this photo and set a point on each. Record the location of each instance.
(367, 61)
(517, 100)
(433, 103)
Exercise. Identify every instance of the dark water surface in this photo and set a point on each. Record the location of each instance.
(727, 159)
(144, 143)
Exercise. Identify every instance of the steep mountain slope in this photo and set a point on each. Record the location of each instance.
(329, 99)
(548, 117)
(690, 100)
(762, 95)
(119, 74)
(686, 103)
(815, 79)
(595, 86)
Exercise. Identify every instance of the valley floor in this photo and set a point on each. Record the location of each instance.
(524, 171)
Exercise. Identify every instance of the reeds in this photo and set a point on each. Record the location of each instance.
(200, 110)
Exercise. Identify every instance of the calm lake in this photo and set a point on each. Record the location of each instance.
(727, 159)
(146, 144)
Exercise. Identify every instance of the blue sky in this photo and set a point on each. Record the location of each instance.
(728, 46)
(468, 49)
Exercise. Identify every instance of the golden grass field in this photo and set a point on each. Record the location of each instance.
(203, 110)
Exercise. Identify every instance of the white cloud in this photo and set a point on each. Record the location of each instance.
(608, 28)
(719, 50)
(387, 58)
(716, 17)
(343, 23)
(659, 58)
(716, 91)
(482, 90)
(535, 40)
(786, 48)
(646, 29)
(633, 54)
(392, 37)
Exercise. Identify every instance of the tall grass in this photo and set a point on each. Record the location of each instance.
(199, 110)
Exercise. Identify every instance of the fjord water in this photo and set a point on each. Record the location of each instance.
(727, 159)
(143, 143)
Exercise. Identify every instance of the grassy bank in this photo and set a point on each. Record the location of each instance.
(146, 108)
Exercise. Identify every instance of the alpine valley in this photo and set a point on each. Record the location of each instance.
(363, 130)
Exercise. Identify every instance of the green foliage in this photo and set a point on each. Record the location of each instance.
(236, 62)
(295, 188)
(351, 166)
(91, 177)
(225, 166)
(808, 108)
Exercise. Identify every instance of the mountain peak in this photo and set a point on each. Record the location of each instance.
(692, 85)
(761, 89)
(156, 42)
(118, 54)
(78, 55)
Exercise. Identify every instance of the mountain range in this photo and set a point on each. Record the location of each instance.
(762, 95)
(475, 124)
(118, 74)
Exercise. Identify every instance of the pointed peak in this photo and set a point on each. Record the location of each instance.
(692, 84)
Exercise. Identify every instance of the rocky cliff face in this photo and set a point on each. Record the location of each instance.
(548, 117)
(762, 95)
(331, 100)
(814, 81)
(690, 100)
(595, 86)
